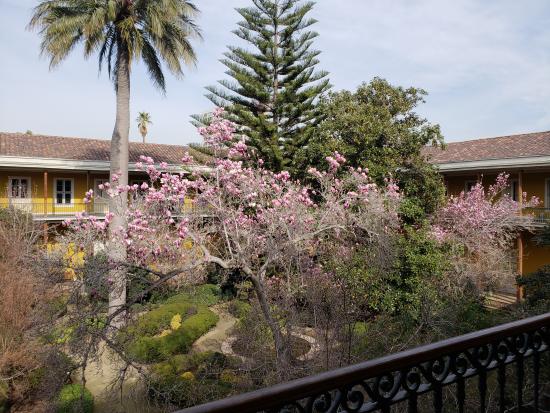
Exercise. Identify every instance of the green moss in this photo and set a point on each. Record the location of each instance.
(74, 398)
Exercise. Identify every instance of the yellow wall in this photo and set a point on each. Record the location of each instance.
(534, 185)
(534, 256)
(82, 183)
(37, 189)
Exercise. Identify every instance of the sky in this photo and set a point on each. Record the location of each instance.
(484, 63)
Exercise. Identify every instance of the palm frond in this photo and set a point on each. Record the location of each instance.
(154, 31)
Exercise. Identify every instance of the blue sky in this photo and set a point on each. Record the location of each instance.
(485, 64)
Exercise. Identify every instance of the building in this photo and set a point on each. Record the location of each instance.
(526, 158)
(48, 176)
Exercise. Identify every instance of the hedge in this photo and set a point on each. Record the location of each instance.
(173, 326)
(75, 398)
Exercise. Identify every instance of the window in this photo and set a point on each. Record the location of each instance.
(19, 188)
(100, 194)
(512, 190)
(547, 200)
(63, 191)
(139, 182)
(468, 185)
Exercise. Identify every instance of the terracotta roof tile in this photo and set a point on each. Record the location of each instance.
(58, 147)
(502, 147)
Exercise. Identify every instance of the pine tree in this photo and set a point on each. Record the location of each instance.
(274, 89)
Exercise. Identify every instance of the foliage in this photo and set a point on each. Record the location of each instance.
(239, 309)
(30, 371)
(152, 31)
(480, 226)
(172, 327)
(274, 89)
(537, 288)
(543, 237)
(143, 121)
(75, 398)
(189, 379)
(262, 223)
(376, 127)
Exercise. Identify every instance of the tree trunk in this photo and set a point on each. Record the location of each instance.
(281, 346)
(118, 205)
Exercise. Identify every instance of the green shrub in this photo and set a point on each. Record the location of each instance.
(190, 379)
(537, 287)
(74, 398)
(206, 294)
(149, 346)
(156, 337)
(239, 309)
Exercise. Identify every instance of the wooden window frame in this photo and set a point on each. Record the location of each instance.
(73, 191)
(29, 188)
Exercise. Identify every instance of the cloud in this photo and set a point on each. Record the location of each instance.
(486, 65)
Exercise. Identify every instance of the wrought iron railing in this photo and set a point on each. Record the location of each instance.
(511, 354)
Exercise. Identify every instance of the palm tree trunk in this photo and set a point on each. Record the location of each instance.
(118, 205)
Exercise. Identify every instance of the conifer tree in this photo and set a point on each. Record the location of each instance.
(274, 87)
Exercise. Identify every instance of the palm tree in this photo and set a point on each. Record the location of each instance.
(143, 120)
(121, 32)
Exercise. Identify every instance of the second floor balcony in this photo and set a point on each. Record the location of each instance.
(53, 211)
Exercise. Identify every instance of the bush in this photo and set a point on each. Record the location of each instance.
(239, 308)
(3, 397)
(537, 288)
(189, 379)
(74, 398)
(206, 294)
(154, 337)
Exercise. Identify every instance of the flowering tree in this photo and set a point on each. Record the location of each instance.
(482, 223)
(248, 219)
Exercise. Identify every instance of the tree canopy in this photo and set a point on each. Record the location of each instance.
(377, 127)
(150, 30)
(274, 87)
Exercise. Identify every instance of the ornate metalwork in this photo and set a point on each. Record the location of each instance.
(377, 385)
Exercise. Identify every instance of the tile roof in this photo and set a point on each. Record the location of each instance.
(80, 149)
(502, 147)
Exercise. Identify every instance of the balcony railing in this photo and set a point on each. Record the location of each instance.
(52, 210)
(539, 215)
(508, 359)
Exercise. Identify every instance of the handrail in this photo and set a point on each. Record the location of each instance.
(347, 377)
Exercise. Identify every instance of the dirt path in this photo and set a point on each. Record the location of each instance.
(101, 374)
(212, 341)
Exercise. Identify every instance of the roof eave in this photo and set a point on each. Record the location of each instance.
(494, 164)
(7, 161)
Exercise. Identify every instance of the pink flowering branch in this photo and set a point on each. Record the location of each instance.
(247, 218)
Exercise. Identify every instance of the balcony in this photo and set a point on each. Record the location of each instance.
(501, 369)
(51, 211)
(540, 216)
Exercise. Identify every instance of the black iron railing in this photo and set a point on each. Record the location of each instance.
(516, 353)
